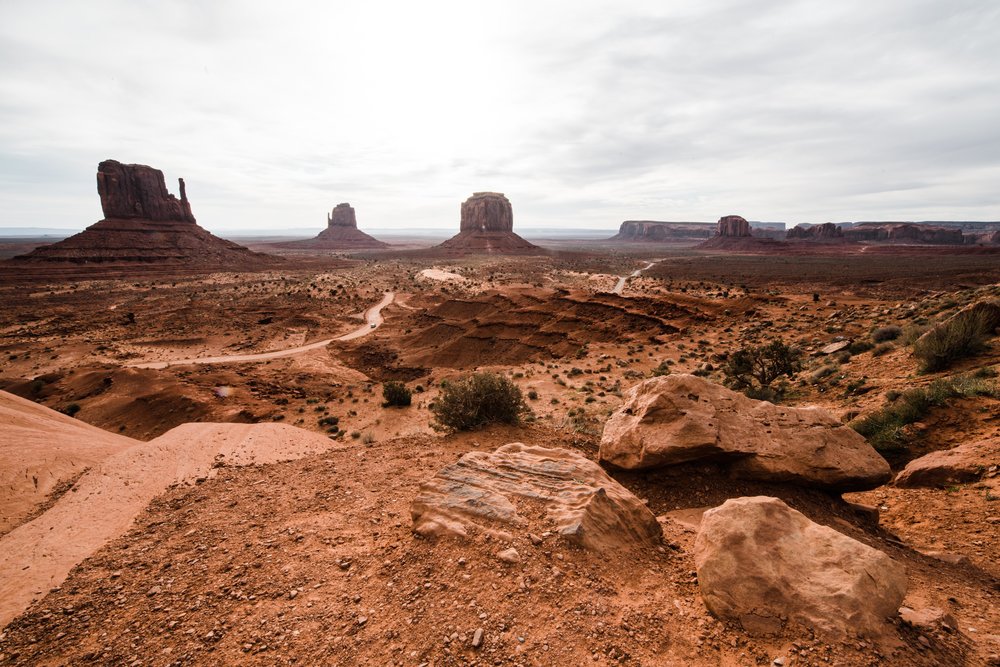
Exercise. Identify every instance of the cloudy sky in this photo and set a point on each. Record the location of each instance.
(584, 113)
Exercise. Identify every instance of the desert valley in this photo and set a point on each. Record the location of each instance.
(714, 443)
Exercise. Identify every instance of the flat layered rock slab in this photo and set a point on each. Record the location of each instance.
(762, 563)
(533, 489)
(681, 418)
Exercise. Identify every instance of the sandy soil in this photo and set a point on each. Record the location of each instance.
(279, 563)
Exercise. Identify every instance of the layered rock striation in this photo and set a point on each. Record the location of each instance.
(144, 223)
(733, 226)
(651, 230)
(341, 233)
(521, 488)
(828, 231)
(487, 225)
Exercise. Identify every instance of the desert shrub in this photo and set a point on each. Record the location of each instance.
(913, 332)
(882, 348)
(883, 334)
(477, 400)
(884, 428)
(533, 395)
(72, 409)
(395, 394)
(859, 346)
(755, 367)
(959, 337)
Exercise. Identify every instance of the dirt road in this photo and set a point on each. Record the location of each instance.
(620, 285)
(373, 320)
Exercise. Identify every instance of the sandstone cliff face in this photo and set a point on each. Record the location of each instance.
(733, 226)
(651, 230)
(342, 215)
(341, 233)
(487, 212)
(825, 232)
(145, 224)
(905, 232)
(138, 192)
(487, 226)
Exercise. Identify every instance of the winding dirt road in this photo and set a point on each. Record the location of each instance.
(620, 285)
(373, 320)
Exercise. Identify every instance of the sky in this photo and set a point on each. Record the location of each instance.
(584, 113)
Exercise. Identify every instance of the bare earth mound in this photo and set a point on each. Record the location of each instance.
(39, 448)
(102, 505)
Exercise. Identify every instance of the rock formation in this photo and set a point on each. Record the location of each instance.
(760, 562)
(138, 192)
(487, 225)
(733, 226)
(680, 418)
(904, 232)
(828, 231)
(650, 230)
(525, 488)
(341, 233)
(960, 465)
(143, 223)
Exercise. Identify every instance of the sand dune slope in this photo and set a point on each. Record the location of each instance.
(39, 448)
(102, 505)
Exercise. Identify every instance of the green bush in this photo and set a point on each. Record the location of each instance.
(754, 368)
(396, 394)
(477, 400)
(961, 336)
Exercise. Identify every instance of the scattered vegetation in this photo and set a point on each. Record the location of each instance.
(477, 400)
(396, 394)
(752, 369)
(883, 334)
(884, 429)
(962, 336)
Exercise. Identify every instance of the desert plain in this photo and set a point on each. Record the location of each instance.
(270, 517)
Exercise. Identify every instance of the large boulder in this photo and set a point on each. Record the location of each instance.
(680, 418)
(762, 563)
(960, 465)
(533, 489)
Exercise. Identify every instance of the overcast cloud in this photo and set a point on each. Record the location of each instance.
(584, 113)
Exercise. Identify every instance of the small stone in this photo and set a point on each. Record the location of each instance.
(535, 539)
(477, 638)
(362, 620)
(509, 556)
(292, 594)
(923, 640)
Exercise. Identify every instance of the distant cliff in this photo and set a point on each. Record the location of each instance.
(652, 230)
